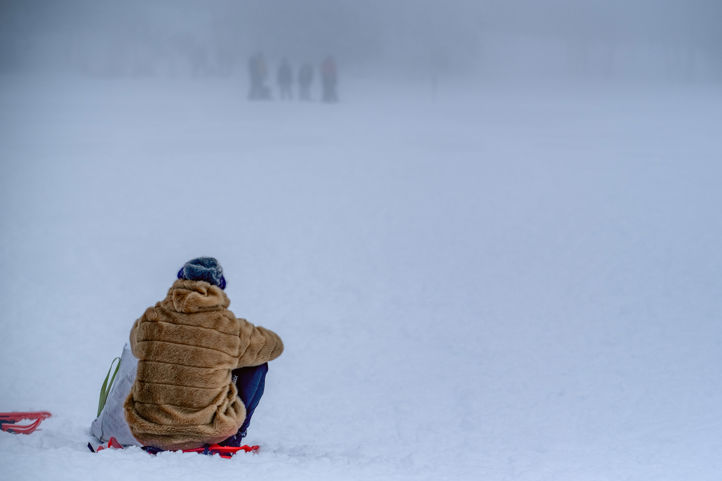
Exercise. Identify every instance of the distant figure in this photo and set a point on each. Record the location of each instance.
(258, 72)
(329, 80)
(285, 78)
(305, 78)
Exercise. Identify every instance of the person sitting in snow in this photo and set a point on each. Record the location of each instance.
(201, 370)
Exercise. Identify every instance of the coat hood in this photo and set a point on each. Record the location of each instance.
(195, 296)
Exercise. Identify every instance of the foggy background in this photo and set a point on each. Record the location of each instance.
(497, 256)
(522, 40)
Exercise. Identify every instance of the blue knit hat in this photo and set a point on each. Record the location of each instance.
(203, 269)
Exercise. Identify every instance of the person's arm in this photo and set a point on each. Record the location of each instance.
(133, 333)
(264, 345)
(133, 330)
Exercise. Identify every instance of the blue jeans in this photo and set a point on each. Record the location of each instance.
(250, 382)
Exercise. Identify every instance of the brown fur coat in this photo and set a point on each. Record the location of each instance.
(186, 346)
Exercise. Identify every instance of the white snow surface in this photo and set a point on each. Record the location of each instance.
(489, 283)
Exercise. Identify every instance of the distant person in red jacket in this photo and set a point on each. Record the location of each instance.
(329, 80)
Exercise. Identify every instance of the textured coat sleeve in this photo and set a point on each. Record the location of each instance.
(133, 332)
(263, 345)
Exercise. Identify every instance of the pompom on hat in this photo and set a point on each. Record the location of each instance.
(203, 269)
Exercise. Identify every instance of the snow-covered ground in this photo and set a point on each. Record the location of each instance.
(497, 284)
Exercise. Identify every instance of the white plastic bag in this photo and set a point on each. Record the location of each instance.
(111, 421)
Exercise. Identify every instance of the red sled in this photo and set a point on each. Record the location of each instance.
(223, 451)
(8, 421)
(226, 452)
(112, 443)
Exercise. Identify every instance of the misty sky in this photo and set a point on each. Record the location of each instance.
(160, 36)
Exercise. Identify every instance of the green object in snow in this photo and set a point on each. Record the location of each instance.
(105, 388)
